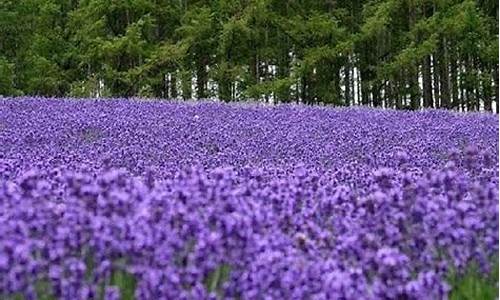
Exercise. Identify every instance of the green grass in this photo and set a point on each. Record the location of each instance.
(473, 285)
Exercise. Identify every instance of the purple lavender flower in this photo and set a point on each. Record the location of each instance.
(160, 200)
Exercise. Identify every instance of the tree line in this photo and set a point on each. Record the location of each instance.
(389, 53)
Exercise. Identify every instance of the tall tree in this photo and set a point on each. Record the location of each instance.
(388, 53)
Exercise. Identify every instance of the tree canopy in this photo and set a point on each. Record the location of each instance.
(390, 53)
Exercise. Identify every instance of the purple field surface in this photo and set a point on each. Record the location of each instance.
(129, 199)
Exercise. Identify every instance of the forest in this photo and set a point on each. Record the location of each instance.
(405, 54)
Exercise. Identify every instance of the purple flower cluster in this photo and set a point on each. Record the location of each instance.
(123, 199)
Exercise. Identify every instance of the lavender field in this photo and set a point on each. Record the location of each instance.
(135, 199)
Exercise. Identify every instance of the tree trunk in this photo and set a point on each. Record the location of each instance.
(444, 75)
(303, 91)
(297, 91)
(358, 85)
(455, 101)
(496, 87)
(347, 83)
(427, 82)
(435, 74)
(283, 95)
(414, 89)
(352, 84)
(201, 78)
(187, 89)
(376, 93)
(477, 85)
(469, 88)
(254, 69)
(462, 87)
(397, 93)
(389, 88)
(336, 85)
(173, 85)
(365, 89)
(487, 93)
(413, 84)
(225, 89)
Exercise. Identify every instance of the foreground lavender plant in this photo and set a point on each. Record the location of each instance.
(152, 200)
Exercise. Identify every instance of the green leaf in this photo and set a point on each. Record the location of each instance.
(126, 282)
(216, 278)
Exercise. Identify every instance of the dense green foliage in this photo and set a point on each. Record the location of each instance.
(391, 53)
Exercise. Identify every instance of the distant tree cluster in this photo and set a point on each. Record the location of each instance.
(390, 53)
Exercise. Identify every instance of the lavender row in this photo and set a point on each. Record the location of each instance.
(241, 202)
